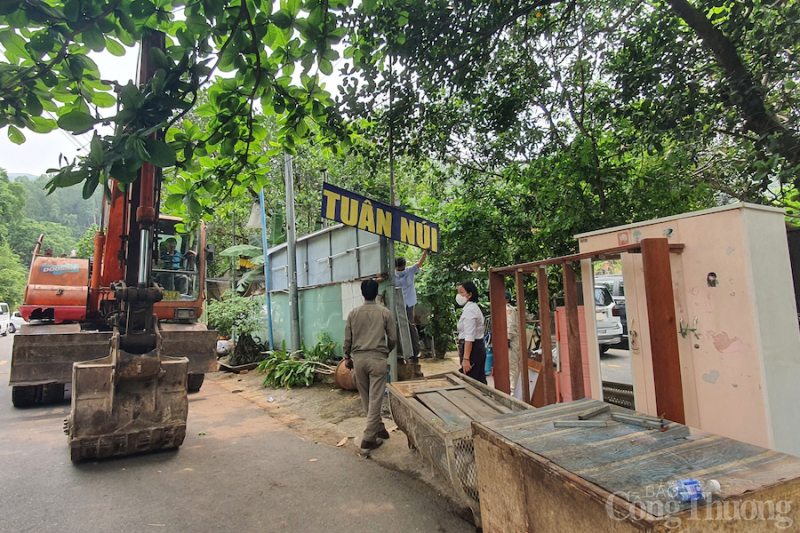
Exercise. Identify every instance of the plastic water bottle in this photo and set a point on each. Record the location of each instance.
(689, 490)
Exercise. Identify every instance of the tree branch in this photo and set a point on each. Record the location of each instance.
(748, 95)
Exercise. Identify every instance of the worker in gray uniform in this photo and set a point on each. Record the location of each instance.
(369, 337)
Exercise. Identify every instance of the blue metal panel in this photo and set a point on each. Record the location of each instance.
(280, 274)
(319, 263)
(369, 254)
(343, 243)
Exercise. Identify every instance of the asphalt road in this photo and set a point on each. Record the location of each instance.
(615, 365)
(237, 471)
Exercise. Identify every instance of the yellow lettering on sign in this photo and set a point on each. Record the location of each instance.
(367, 219)
(434, 240)
(407, 231)
(332, 197)
(172, 295)
(349, 211)
(423, 236)
(384, 223)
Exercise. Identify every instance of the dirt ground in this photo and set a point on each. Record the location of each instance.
(328, 415)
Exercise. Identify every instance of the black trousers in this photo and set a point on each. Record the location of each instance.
(477, 359)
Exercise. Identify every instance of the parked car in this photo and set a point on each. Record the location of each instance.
(616, 286)
(16, 322)
(609, 325)
(5, 319)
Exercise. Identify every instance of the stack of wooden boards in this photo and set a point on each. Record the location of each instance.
(536, 473)
(436, 414)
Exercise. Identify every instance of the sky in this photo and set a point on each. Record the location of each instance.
(40, 151)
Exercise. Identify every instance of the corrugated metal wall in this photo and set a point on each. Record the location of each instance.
(328, 262)
(336, 254)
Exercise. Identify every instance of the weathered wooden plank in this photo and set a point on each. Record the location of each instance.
(573, 333)
(497, 301)
(563, 410)
(408, 388)
(663, 329)
(476, 408)
(445, 410)
(486, 398)
(545, 324)
(523, 339)
(440, 389)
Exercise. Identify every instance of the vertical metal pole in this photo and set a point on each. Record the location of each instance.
(291, 248)
(233, 243)
(267, 281)
(392, 202)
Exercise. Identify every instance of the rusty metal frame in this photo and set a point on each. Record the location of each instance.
(497, 290)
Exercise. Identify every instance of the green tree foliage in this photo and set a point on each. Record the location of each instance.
(21, 232)
(66, 207)
(12, 277)
(85, 246)
(48, 73)
(509, 81)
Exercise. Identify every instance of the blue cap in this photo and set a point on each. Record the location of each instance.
(508, 295)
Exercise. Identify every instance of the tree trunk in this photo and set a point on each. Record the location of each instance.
(748, 95)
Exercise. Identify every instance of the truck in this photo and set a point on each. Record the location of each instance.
(122, 329)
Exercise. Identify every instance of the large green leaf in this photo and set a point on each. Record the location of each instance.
(114, 47)
(94, 38)
(243, 250)
(103, 100)
(76, 122)
(161, 155)
(15, 136)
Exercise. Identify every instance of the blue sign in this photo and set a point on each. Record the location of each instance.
(354, 210)
(57, 270)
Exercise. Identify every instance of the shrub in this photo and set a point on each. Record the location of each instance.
(238, 318)
(284, 369)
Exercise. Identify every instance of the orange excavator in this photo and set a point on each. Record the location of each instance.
(122, 329)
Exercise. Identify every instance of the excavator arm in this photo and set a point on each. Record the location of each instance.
(134, 400)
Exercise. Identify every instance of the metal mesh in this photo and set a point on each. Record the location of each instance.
(466, 471)
(618, 394)
(429, 443)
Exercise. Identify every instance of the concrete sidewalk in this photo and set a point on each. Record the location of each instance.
(237, 471)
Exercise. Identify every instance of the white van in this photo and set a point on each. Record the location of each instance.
(5, 318)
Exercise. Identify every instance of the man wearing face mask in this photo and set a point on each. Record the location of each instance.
(404, 278)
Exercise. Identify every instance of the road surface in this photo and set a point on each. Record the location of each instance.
(615, 365)
(237, 471)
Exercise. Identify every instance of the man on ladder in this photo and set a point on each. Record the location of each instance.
(404, 279)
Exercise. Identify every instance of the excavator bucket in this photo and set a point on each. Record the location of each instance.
(127, 403)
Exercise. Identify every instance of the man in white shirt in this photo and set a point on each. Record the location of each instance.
(404, 278)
